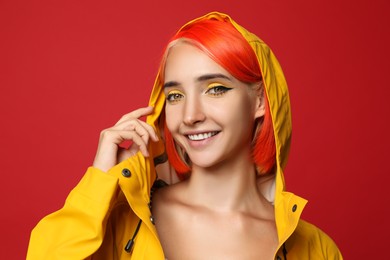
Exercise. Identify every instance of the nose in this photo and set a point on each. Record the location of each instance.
(193, 111)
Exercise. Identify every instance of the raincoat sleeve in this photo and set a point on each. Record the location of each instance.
(76, 231)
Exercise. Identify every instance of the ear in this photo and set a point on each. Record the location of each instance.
(260, 100)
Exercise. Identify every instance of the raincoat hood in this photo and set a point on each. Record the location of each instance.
(275, 88)
(278, 98)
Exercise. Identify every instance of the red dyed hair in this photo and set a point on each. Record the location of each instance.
(226, 46)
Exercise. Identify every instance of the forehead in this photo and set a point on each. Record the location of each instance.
(185, 61)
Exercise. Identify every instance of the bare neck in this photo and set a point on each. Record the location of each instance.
(229, 186)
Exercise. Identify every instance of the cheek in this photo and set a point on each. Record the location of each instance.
(172, 117)
(238, 108)
(240, 114)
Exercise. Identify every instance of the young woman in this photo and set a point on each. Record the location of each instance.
(203, 178)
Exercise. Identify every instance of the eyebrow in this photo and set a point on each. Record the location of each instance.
(199, 79)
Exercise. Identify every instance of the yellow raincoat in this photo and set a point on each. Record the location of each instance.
(106, 211)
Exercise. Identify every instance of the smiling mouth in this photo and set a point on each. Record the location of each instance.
(200, 137)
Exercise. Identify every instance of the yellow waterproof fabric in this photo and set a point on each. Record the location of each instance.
(101, 213)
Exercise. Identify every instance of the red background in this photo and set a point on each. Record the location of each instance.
(71, 68)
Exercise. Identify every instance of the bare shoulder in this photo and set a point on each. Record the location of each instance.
(166, 200)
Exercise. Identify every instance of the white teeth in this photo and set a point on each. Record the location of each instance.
(199, 137)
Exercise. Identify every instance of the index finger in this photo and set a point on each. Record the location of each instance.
(143, 111)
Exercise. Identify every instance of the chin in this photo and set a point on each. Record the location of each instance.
(205, 161)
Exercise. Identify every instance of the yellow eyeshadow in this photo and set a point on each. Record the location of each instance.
(212, 85)
(174, 92)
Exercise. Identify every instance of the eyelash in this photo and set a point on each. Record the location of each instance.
(174, 96)
(217, 89)
(214, 90)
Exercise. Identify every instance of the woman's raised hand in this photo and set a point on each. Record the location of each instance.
(131, 128)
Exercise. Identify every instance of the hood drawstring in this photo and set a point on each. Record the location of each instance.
(130, 243)
(156, 185)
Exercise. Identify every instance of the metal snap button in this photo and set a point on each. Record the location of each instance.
(126, 173)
